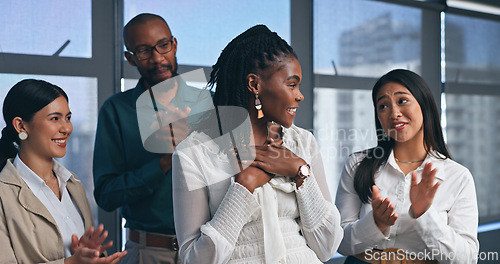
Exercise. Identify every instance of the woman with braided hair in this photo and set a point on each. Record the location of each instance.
(253, 190)
(45, 216)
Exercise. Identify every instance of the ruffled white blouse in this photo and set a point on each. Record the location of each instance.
(219, 221)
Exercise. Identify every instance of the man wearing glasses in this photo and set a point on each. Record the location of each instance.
(127, 174)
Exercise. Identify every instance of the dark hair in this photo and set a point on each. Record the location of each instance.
(23, 100)
(253, 51)
(433, 136)
(258, 50)
(137, 20)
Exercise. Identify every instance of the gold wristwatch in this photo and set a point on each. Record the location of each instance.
(304, 172)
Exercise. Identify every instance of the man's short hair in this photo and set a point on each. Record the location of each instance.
(137, 20)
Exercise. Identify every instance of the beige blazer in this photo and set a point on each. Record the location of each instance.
(28, 233)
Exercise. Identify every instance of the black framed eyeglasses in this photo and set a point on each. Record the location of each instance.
(161, 47)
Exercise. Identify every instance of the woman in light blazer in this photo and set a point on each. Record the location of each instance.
(43, 208)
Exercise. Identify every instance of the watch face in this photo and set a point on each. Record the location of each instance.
(304, 170)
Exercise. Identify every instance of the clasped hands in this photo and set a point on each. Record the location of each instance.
(89, 248)
(421, 196)
(270, 159)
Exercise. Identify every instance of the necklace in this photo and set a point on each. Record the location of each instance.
(408, 162)
(47, 181)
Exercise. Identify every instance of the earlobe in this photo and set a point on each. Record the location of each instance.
(130, 59)
(175, 46)
(253, 83)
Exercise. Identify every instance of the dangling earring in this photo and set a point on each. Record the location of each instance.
(258, 106)
(23, 135)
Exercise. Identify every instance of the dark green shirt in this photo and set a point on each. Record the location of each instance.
(126, 175)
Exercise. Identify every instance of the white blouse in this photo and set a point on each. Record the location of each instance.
(65, 212)
(447, 231)
(219, 221)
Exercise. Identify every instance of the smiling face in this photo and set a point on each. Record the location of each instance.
(279, 93)
(49, 130)
(158, 67)
(399, 113)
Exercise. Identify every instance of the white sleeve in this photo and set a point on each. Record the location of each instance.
(454, 238)
(202, 239)
(319, 218)
(359, 233)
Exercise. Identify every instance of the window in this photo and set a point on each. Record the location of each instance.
(472, 71)
(204, 28)
(343, 124)
(471, 50)
(51, 28)
(473, 141)
(365, 38)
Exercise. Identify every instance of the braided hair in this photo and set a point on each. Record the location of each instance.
(258, 50)
(24, 100)
(253, 51)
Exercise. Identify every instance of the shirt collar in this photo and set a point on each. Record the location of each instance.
(62, 172)
(34, 182)
(432, 156)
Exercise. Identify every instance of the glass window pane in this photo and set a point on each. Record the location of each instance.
(472, 137)
(128, 84)
(43, 27)
(343, 123)
(203, 28)
(471, 50)
(82, 93)
(365, 38)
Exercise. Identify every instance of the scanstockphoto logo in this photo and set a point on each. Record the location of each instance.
(172, 110)
(434, 254)
(166, 112)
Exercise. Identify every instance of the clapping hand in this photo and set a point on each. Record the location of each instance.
(422, 193)
(92, 239)
(89, 248)
(383, 210)
(90, 256)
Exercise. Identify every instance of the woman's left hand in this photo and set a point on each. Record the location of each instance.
(276, 159)
(422, 193)
(91, 239)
